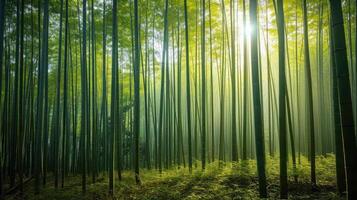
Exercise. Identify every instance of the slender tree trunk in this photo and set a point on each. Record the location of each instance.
(165, 46)
(58, 101)
(21, 101)
(113, 116)
(2, 31)
(15, 103)
(180, 148)
(258, 118)
(65, 88)
(2, 28)
(319, 57)
(246, 85)
(167, 123)
(233, 85)
(203, 78)
(340, 160)
(345, 98)
(94, 98)
(212, 87)
(282, 102)
(154, 110)
(311, 120)
(146, 93)
(104, 87)
(84, 95)
(41, 84)
(188, 90)
(136, 93)
(297, 83)
(222, 90)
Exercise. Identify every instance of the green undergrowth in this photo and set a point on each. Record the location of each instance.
(227, 181)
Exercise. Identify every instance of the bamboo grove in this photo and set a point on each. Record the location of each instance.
(96, 87)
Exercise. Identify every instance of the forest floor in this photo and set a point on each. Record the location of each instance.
(238, 182)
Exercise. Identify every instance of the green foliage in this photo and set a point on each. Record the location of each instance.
(231, 181)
